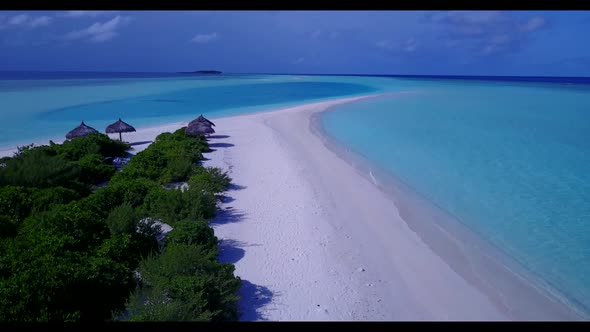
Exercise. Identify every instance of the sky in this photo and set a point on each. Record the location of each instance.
(527, 43)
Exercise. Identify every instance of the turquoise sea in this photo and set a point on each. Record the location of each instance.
(509, 159)
(43, 109)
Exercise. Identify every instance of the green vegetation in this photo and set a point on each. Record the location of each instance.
(70, 251)
(16, 203)
(171, 158)
(185, 282)
(77, 164)
(210, 179)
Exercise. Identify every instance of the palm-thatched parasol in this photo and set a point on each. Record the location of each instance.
(119, 127)
(81, 130)
(201, 119)
(198, 129)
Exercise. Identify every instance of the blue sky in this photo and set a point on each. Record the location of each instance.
(333, 42)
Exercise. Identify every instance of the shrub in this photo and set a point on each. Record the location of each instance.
(192, 232)
(185, 283)
(73, 219)
(179, 168)
(23, 149)
(211, 179)
(44, 279)
(8, 227)
(95, 143)
(167, 205)
(15, 204)
(75, 164)
(37, 271)
(148, 164)
(93, 169)
(118, 192)
(45, 199)
(175, 205)
(171, 157)
(123, 220)
(39, 168)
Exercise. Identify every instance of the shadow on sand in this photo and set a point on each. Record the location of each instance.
(225, 199)
(234, 186)
(230, 251)
(140, 143)
(227, 216)
(218, 136)
(220, 145)
(252, 298)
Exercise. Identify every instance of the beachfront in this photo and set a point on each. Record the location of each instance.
(312, 239)
(322, 238)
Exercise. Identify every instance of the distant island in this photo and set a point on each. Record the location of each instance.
(201, 72)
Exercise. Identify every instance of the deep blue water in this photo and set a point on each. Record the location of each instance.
(533, 79)
(64, 75)
(205, 100)
(41, 109)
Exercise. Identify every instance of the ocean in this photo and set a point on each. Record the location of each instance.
(36, 110)
(508, 158)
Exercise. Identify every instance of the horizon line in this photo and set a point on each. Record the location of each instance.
(283, 73)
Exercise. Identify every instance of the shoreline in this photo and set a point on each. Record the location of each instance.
(7, 150)
(296, 195)
(449, 238)
(285, 125)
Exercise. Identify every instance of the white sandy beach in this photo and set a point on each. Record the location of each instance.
(312, 239)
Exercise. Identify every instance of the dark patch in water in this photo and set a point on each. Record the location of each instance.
(207, 100)
(165, 101)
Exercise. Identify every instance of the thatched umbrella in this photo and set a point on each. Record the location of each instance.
(81, 130)
(198, 129)
(201, 119)
(119, 127)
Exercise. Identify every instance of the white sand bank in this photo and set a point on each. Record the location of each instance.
(313, 240)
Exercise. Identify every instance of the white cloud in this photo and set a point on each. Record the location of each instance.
(534, 23)
(26, 21)
(86, 13)
(299, 60)
(496, 43)
(99, 32)
(18, 19)
(40, 21)
(469, 17)
(410, 45)
(105, 36)
(387, 44)
(486, 32)
(204, 38)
